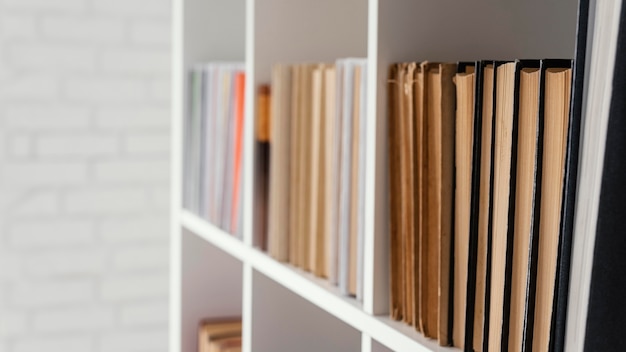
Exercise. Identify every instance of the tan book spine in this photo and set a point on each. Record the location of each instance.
(463, 190)
(296, 182)
(323, 199)
(439, 174)
(525, 183)
(393, 121)
(421, 195)
(447, 103)
(505, 94)
(315, 199)
(433, 215)
(304, 229)
(430, 237)
(337, 172)
(354, 183)
(417, 121)
(407, 179)
(484, 206)
(556, 113)
(330, 208)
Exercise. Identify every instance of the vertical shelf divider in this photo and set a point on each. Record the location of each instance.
(175, 294)
(376, 294)
(246, 338)
(249, 127)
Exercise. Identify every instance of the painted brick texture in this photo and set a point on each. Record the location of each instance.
(84, 169)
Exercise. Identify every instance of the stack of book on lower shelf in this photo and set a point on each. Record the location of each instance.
(213, 144)
(477, 160)
(219, 335)
(316, 176)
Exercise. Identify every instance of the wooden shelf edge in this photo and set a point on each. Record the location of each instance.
(395, 335)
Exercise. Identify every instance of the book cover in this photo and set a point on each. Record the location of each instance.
(504, 193)
(606, 315)
(464, 140)
(571, 179)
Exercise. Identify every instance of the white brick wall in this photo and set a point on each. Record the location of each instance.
(84, 160)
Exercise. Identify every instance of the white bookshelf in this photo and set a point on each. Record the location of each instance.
(284, 308)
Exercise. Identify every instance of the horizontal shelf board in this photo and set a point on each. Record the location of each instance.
(213, 234)
(400, 330)
(320, 292)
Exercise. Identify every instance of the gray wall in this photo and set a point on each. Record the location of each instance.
(84, 149)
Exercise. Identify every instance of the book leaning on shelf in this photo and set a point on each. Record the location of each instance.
(477, 167)
(317, 179)
(213, 144)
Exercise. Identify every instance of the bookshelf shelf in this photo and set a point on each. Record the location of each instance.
(215, 274)
(213, 234)
(314, 290)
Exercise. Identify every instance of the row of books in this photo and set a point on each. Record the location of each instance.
(315, 184)
(476, 167)
(213, 144)
(219, 335)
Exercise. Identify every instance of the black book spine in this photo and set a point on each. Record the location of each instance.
(559, 317)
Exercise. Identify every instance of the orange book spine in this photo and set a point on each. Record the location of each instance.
(239, 121)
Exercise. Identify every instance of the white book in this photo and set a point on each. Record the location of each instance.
(205, 149)
(347, 78)
(211, 132)
(187, 142)
(195, 93)
(362, 91)
(220, 156)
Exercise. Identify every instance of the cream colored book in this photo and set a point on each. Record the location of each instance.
(295, 181)
(317, 200)
(556, 113)
(305, 157)
(524, 199)
(354, 182)
(484, 207)
(503, 149)
(330, 149)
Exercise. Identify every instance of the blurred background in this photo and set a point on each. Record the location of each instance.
(84, 193)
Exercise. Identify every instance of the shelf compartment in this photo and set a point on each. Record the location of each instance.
(284, 321)
(298, 31)
(211, 286)
(450, 31)
(290, 31)
(319, 292)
